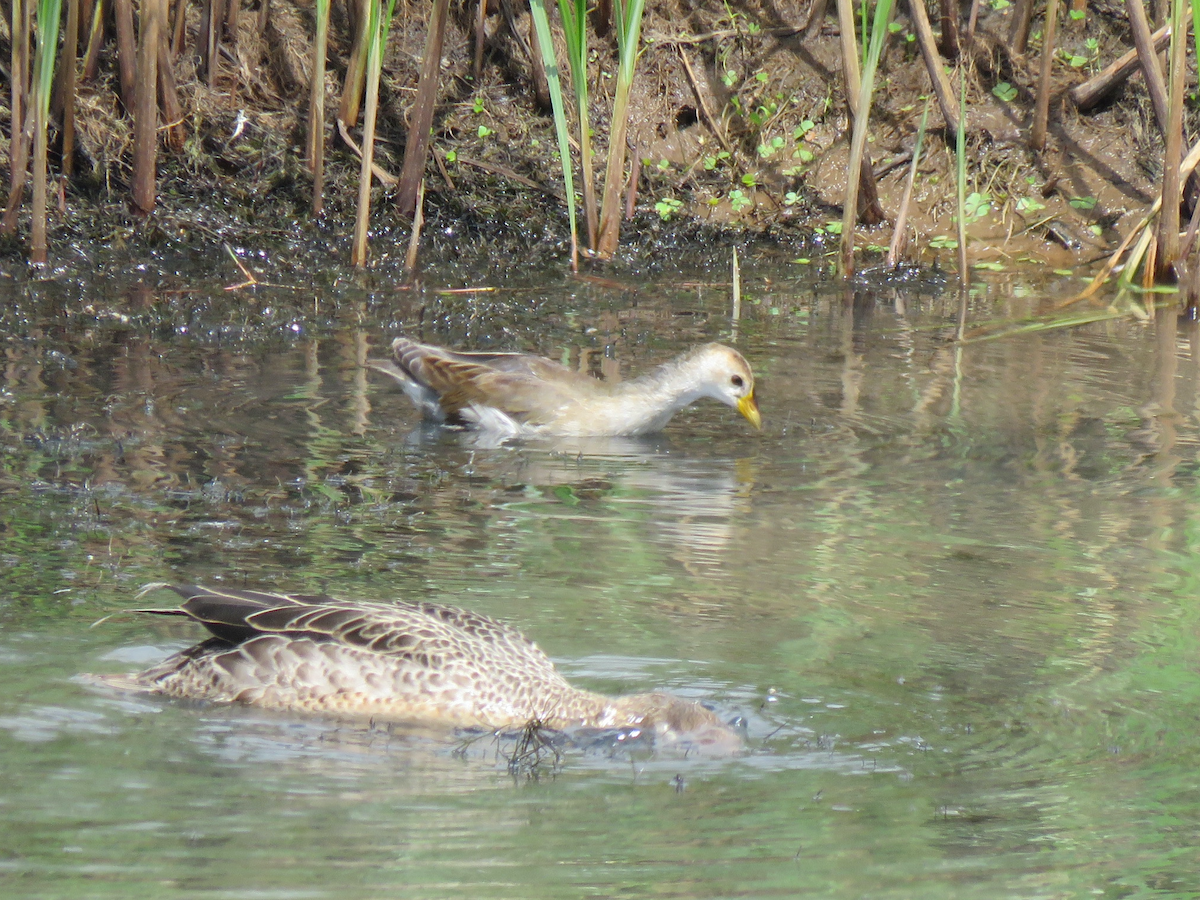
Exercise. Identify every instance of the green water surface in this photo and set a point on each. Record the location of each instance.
(952, 589)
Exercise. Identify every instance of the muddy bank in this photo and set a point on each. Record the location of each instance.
(739, 131)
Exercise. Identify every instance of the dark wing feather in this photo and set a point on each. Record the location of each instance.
(420, 631)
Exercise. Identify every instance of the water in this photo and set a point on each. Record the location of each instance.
(952, 588)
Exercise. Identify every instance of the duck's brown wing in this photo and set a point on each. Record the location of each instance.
(409, 661)
(425, 631)
(528, 389)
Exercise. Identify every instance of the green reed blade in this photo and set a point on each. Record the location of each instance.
(629, 32)
(541, 22)
(49, 14)
(574, 17)
(858, 142)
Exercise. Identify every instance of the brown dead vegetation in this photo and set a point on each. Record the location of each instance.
(739, 123)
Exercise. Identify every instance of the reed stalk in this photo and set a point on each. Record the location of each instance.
(545, 42)
(210, 37)
(1041, 111)
(858, 141)
(949, 12)
(168, 93)
(1168, 224)
(356, 64)
(628, 16)
(22, 124)
(126, 51)
(960, 169)
(379, 22)
(416, 150)
(316, 108)
(66, 88)
(145, 114)
(49, 15)
(91, 56)
(1195, 5)
(574, 16)
(897, 245)
(178, 30)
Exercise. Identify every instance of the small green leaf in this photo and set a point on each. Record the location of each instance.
(667, 207)
(1005, 92)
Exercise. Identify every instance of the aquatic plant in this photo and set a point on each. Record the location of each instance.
(574, 17)
(32, 107)
(379, 22)
(545, 41)
(858, 142)
(315, 155)
(627, 15)
(1167, 248)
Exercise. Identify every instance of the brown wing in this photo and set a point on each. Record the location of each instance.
(413, 661)
(526, 388)
(424, 632)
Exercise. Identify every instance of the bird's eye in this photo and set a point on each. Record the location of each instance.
(736, 381)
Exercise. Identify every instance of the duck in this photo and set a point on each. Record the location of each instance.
(404, 662)
(521, 395)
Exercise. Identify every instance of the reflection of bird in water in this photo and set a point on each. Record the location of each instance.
(519, 395)
(412, 662)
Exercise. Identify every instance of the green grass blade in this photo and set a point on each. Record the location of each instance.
(858, 142)
(541, 22)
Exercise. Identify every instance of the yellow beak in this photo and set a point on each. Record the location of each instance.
(748, 407)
